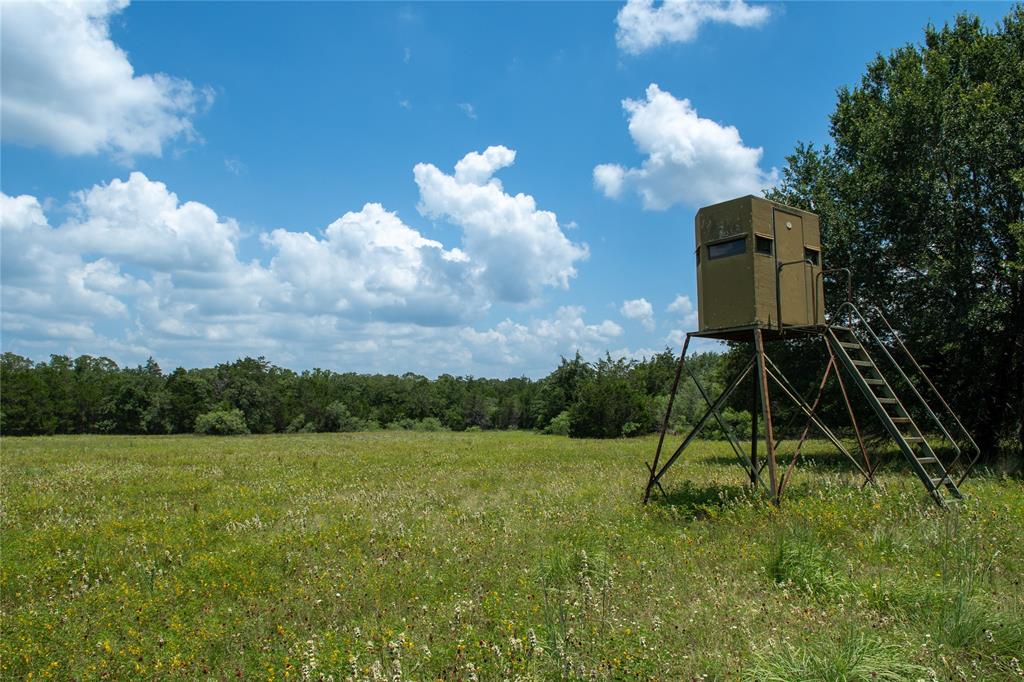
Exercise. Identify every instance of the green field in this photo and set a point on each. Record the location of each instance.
(489, 556)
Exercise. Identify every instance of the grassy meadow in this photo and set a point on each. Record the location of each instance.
(490, 556)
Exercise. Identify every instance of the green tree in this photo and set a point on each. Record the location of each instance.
(922, 196)
(607, 400)
(25, 406)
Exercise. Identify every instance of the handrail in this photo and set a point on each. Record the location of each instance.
(920, 370)
(903, 374)
(821, 274)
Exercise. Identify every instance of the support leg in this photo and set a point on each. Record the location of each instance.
(711, 412)
(766, 412)
(753, 434)
(664, 424)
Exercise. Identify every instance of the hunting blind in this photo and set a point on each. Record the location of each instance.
(760, 277)
(758, 265)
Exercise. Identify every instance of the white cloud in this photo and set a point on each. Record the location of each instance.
(642, 26)
(684, 309)
(686, 313)
(467, 109)
(134, 271)
(690, 160)
(142, 222)
(639, 309)
(67, 86)
(515, 249)
(533, 345)
(234, 165)
(638, 355)
(370, 264)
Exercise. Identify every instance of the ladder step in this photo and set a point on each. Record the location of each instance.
(938, 481)
(913, 439)
(927, 460)
(887, 401)
(875, 382)
(901, 420)
(863, 363)
(844, 344)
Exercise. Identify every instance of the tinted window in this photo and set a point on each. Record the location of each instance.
(812, 255)
(763, 245)
(729, 248)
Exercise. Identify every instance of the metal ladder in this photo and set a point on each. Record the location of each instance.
(857, 362)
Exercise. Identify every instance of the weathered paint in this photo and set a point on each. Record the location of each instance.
(744, 290)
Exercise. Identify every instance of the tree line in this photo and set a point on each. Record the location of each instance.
(606, 398)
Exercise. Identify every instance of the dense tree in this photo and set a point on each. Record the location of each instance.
(610, 403)
(922, 196)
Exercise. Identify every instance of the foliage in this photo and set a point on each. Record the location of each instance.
(607, 400)
(227, 422)
(337, 418)
(559, 426)
(922, 197)
(610, 398)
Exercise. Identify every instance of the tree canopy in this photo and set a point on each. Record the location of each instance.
(922, 197)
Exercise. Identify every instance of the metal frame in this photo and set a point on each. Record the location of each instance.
(766, 369)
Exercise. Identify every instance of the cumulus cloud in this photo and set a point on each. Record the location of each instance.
(682, 307)
(642, 26)
(67, 86)
(640, 310)
(535, 343)
(371, 264)
(515, 249)
(685, 314)
(689, 159)
(135, 270)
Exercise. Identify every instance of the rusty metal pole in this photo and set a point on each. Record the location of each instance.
(753, 434)
(766, 412)
(664, 424)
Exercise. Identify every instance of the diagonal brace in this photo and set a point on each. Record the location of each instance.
(699, 425)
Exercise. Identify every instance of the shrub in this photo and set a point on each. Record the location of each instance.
(631, 429)
(426, 424)
(338, 418)
(559, 426)
(738, 421)
(429, 424)
(298, 425)
(221, 423)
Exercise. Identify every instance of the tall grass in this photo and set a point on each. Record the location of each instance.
(852, 657)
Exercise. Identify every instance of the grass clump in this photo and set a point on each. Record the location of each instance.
(800, 559)
(850, 658)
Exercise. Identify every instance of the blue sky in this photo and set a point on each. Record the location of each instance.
(170, 171)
